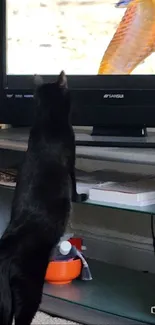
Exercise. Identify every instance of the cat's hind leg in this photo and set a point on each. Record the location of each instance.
(25, 312)
(25, 316)
(26, 301)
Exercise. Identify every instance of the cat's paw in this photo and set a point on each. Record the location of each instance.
(80, 197)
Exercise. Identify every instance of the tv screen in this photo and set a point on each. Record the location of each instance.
(106, 48)
(82, 37)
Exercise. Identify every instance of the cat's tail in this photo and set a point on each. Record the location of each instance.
(6, 310)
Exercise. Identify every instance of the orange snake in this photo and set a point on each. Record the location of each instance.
(133, 41)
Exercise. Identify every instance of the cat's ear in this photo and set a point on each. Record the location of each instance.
(38, 80)
(62, 80)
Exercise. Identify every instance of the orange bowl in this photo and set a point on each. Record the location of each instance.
(63, 272)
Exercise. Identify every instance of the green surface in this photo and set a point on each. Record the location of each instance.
(150, 209)
(114, 289)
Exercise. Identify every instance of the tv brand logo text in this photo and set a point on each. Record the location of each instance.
(117, 96)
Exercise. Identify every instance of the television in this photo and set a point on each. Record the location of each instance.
(105, 47)
(2, 55)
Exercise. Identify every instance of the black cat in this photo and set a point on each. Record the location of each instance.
(41, 205)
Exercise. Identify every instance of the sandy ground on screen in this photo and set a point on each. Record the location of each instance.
(49, 35)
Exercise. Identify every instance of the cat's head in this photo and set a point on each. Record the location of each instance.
(53, 98)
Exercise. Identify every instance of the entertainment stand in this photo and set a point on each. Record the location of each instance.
(103, 300)
(140, 138)
(117, 137)
(119, 142)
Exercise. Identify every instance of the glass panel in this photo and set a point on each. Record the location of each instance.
(114, 289)
(150, 209)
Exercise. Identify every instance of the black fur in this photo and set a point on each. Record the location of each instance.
(41, 205)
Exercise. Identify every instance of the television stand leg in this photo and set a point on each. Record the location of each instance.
(119, 132)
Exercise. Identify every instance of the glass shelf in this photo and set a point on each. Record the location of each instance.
(150, 209)
(113, 290)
